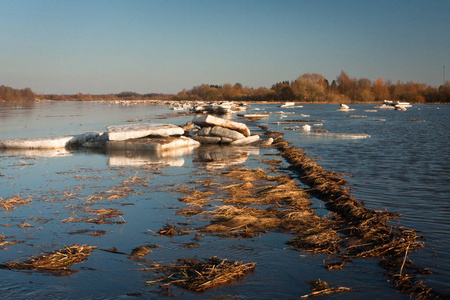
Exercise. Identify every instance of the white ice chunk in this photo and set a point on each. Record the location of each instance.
(210, 121)
(138, 130)
(349, 136)
(49, 143)
(245, 141)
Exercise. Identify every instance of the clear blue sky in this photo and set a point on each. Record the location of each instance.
(109, 46)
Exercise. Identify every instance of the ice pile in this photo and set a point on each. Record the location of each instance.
(214, 130)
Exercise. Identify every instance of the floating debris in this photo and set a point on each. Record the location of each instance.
(13, 202)
(103, 216)
(172, 230)
(198, 276)
(321, 288)
(57, 262)
(4, 243)
(140, 251)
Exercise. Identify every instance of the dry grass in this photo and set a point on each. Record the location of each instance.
(243, 222)
(198, 276)
(197, 197)
(89, 232)
(98, 216)
(172, 230)
(368, 233)
(13, 202)
(4, 243)
(57, 262)
(321, 288)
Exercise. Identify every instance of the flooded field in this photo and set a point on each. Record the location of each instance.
(148, 216)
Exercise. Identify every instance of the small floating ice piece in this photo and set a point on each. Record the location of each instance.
(350, 136)
(344, 107)
(306, 127)
(288, 104)
(254, 115)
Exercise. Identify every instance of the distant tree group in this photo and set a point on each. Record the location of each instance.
(105, 97)
(308, 88)
(10, 94)
(314, 88)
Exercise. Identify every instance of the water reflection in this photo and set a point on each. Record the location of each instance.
(216, 156)
(16, 109)
(37, 152)
(136, 157)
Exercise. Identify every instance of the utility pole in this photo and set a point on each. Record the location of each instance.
(443, 76)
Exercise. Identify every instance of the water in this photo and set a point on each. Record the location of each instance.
(403, 167)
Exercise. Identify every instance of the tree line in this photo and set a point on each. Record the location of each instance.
(308, 88)
(10, 94)
(314, 88)
(106, 97)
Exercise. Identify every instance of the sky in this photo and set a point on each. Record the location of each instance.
(165, 46)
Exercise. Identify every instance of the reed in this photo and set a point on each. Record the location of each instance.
(199, 276)
(57, 262)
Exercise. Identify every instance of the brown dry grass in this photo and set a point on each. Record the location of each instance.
(198, 276)
(368, 233)
(244, 222)
(4, 243)
(321, 288)
(13, 202)
(57, 262)
(98, 216)
(172, 230)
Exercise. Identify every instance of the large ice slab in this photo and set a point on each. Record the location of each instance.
(138, 130)
(49, 143)
(210, 121)
(153, 144)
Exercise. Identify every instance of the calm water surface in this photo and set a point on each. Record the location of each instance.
(403, 167)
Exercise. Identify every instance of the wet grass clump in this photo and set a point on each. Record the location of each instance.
(366, 232)
(199, 276)
(13, 202)
(57, 262)
(321, 288)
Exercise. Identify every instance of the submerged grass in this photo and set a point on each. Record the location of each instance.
(321, 288)
(13, 202)
(366, 232)
(57, 262)
(199, 276)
